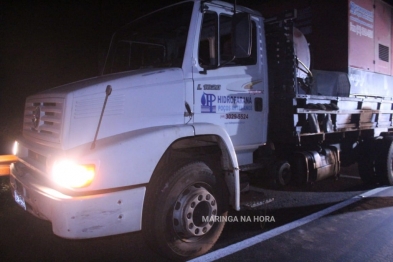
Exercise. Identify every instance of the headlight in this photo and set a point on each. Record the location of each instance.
(70, 174)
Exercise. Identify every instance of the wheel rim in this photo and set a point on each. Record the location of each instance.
(194, 211)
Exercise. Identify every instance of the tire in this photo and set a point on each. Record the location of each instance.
(366, 161)
(282, 173)
(384, 161)
(389, 165)
(176, 207)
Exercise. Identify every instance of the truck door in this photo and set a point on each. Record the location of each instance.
(230, 92)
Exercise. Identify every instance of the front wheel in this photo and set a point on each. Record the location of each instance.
(185, 211)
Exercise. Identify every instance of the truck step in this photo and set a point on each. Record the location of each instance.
(253, 199)
(250, 167)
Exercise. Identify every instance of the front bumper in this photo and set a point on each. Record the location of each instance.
(84, 216)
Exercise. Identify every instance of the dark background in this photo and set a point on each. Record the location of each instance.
(44, 44)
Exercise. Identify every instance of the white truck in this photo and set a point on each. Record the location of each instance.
(182, 109)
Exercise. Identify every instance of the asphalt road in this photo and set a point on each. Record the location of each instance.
(26, 238)
(358, 229)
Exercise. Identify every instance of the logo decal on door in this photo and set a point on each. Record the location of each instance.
(207, 103)
(209, 87)
(225, 103)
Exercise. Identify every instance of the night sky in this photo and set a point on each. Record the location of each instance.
(49, 43)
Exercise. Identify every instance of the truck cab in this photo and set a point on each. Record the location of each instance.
(221, 87)
(156, 142)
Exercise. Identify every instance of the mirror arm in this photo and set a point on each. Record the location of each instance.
(203, 72)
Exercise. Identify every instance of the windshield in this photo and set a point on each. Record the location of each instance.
(154, 41)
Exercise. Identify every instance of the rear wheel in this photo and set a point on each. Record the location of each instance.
(184, 211)
(384, 160)
(366, 161)
(389, 165)
(282, 173)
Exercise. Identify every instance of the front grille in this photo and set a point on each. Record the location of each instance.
(43, 118)
(37, 157)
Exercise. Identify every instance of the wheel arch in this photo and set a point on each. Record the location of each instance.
(211, 145)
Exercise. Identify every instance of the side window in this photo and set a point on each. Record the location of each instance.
(208, 42)
(215, 44)
(225, 38)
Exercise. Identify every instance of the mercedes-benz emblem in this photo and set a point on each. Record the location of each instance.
(36, 116)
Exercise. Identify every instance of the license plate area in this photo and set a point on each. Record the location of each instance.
(18, 195)
(19, 200)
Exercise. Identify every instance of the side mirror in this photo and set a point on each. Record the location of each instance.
(241, 35)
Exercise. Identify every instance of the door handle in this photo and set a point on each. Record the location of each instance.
(258, 104)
